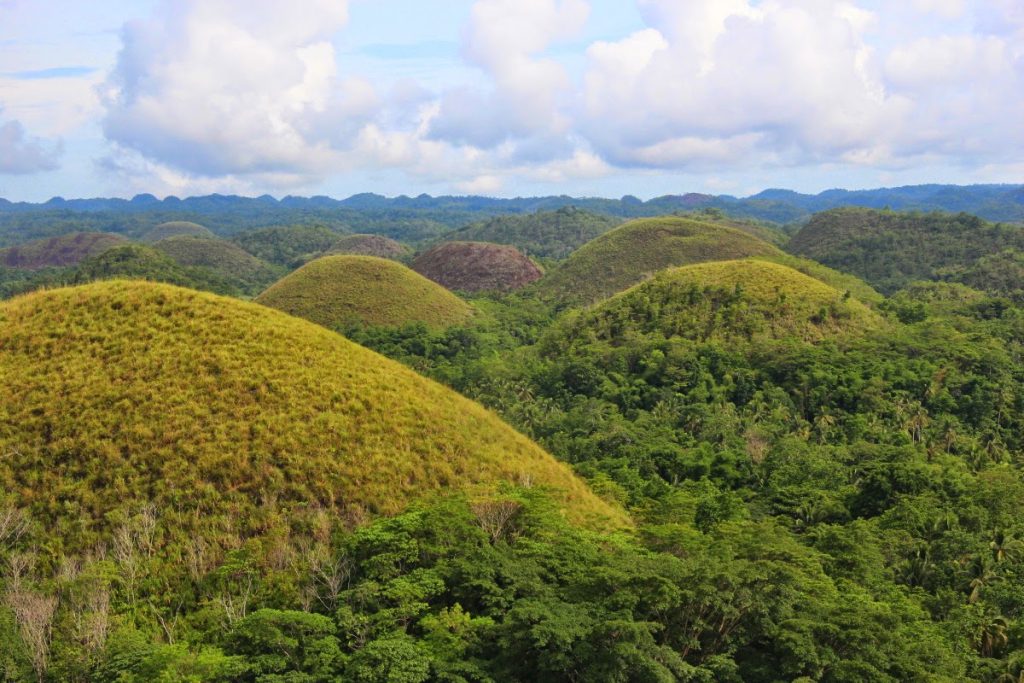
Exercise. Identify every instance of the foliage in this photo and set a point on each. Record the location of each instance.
(287, 246)
(547, 234)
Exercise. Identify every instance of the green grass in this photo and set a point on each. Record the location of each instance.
(477, 267)
(371, 245)
(337, 291)
(739, 301)
(230, 261)
(232, 419)
(640, 248)
(66, 250)
(844, 282)
(176, 229)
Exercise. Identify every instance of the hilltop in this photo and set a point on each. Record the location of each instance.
(229, 261)
(143, 262)
(228, 420)
(287, 246)
(743, 300)
(889, 249)
(477, 267)
(640, 248)
(66, 250)
(549, 234)
(176, 229)
(370, 245)
(341, 290)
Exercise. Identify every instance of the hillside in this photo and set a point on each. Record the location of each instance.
(287, 246)
(143, 262)
(548, 234)
(477, 267)
(370, 245)
(889, 250)
(67, 250)
(176, 229)
(224, 259)
(337, 291)
(190, 402)
(738, 301)
(640, 248)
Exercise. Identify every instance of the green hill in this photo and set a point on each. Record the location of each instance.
(640, 248)
(176, 229)
(143, 262)
(743, 300)
(225, 259)
(477, 267)
(336, 291)
(548, 234)
(287, 246)
(844, 282)
(228, 421)
(370, 245)
(66, 250)
(889, 250)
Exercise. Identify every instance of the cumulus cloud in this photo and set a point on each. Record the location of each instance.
(21, 154)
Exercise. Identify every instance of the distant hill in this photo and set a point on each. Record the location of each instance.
(738, 301)
(370, 245)
(228, 422)
(67, 250)
(229, 261)
(340, 290)
(640, 248)
(890, 249)
(143, 262)
(287, 246)
(550, 234)
(477, 267)
(176, 229)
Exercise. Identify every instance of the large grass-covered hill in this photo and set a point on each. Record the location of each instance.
(66, 250)
(176, 229)
(228, 420)
(370, 245)
(249, 273)
(342, 290)
(477, 266)
(634, 251)
(549, 234)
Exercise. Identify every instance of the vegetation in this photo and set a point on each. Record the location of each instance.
(890, 250)
(287, 246)
(56, 252)
(177, 229)
(247, 273)
(371, 245)
(546, 234)
(638, 249)
(477, 267)
(339, 291)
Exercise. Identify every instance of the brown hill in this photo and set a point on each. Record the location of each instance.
(66, 250)
(477, 266)
(370, 245)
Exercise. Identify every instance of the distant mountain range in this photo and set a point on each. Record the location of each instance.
(992, 202)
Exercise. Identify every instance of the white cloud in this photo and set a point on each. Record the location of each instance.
(21, 154)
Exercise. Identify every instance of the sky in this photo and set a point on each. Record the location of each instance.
(506, 97)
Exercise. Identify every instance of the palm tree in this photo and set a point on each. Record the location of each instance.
(993, 636)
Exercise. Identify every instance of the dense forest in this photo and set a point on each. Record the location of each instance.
(772, 460)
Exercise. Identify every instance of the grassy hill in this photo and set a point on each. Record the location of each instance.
(844, 282)
(739, 301)
(66, 250)
(370, 245)
(640, 248)
(287, 246)
(176, 229)
(548, 234)
(336, 291)
(477, 267)
(889, 250)
(228, 421)
(143, 262)
(225, 259)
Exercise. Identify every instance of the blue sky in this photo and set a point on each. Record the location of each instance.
(506, 97)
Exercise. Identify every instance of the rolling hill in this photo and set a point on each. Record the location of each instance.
(143, 262)
(287, 246)
(477, 267)
(340, 290)
(370, 245)
(177, 229)
(66, 250)
(228, 420)
(548, 234)
(225, 259)
(640, 248)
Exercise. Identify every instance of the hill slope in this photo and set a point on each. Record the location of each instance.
(477, 266)
(890, 250)
(287, 246)
(143, 262)
(640, 248)
(66, 250)
(370, 245)
(227, 260)
(177, 229)
(551, 234)
(335, 291)
(227, 416)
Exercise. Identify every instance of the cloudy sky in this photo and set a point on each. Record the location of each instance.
(506, 97)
